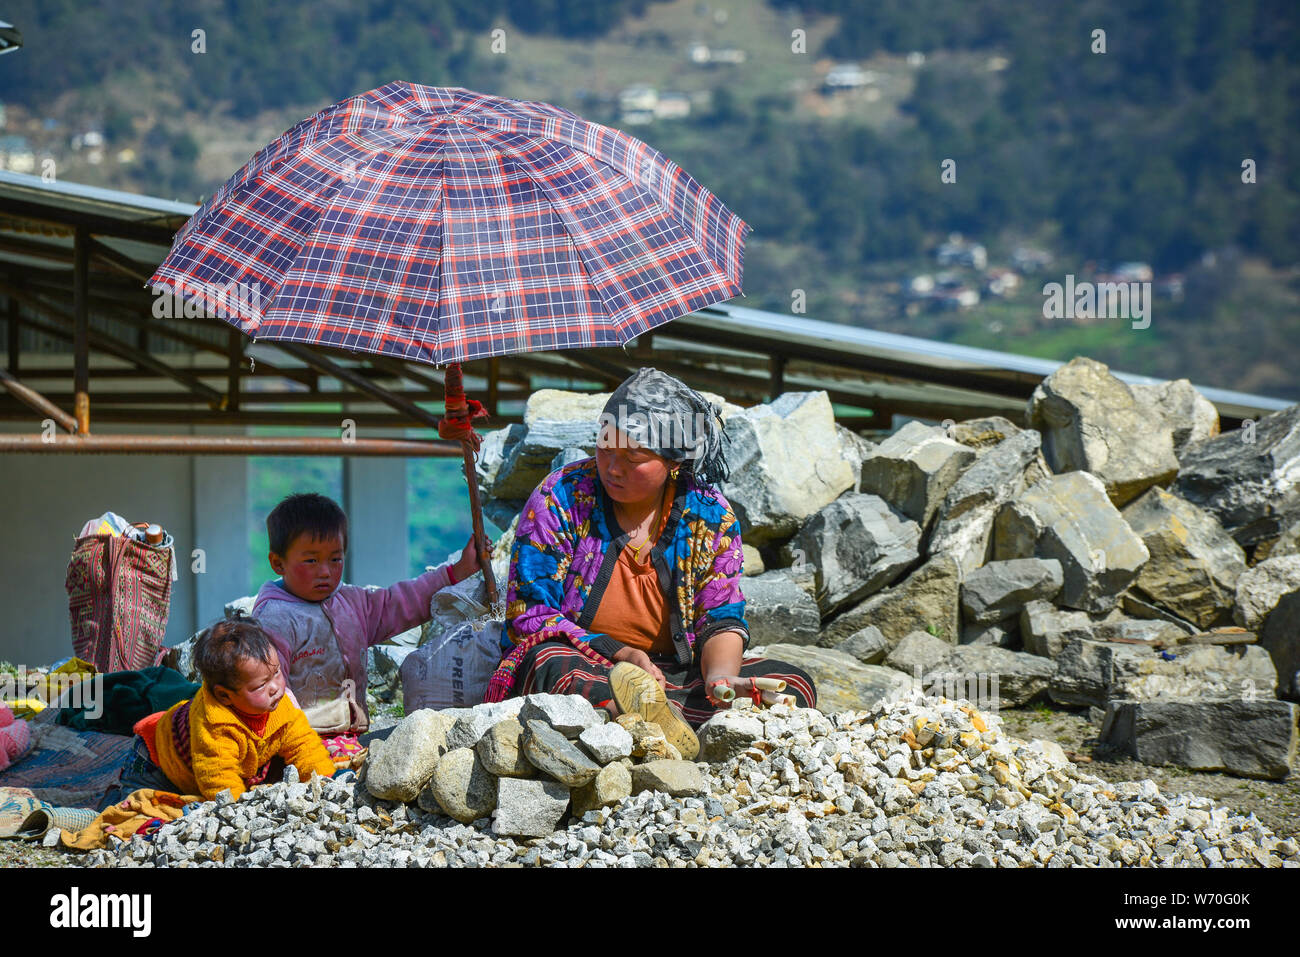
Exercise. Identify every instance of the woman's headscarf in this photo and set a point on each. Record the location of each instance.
(665, 415)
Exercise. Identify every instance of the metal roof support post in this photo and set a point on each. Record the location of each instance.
(777, 366)
(493, 384)
(37, 402)
(13, 335)
(81, 330)
(231, 401)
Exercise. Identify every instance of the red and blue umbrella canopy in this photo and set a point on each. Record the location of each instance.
(441, 225)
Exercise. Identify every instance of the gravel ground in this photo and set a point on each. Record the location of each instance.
(1275, 803)
(775, 805)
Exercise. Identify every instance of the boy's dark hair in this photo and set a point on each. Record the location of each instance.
(318, 516)
(222, 646)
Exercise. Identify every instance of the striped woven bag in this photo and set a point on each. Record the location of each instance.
(119, 591)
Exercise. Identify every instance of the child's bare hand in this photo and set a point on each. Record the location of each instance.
(469, 561)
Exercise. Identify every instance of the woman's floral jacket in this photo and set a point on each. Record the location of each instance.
(566, 544)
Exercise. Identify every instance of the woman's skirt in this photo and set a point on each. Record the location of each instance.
(556, 667)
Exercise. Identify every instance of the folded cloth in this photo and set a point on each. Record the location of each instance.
(143, 812)
(129, 696)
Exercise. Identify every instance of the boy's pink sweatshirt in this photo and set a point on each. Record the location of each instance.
(358, 617)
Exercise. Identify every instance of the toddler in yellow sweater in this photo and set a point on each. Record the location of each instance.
(227, 734)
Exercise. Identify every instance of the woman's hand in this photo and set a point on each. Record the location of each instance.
(469, 561)
(639, 658)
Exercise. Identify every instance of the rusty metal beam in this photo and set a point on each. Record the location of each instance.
(224, 445)
(125, 415)
(146, 396)
(81, 331)
(106, 343)
(37, 402)
(331, 368)
(12, 332)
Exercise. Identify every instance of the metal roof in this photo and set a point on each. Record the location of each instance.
(748, 355)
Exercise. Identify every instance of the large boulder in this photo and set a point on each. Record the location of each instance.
(1069, 518)
(1095, 672)
(997, 677)
(1254, 739)
(1194, 563)
(965, 519)
(914, 468)
(678, 778)
(399, 766)
(553, 754)
(842, 682)
(786, 462)
(984, 433)
(1280, 636)
(1249, 478)
(611, 785)
(501, 750)
(569, 714)
(918, 653)
(727, 734)
(857, 449)
(1046, 629)
(1191, 417)
(1288, 543)
(855, 546)
(777, 609)
(529, 808)
(1091, 422)
(1259, 589)
(462, 787)
(868, 645)
(927, 600)
(999, 590)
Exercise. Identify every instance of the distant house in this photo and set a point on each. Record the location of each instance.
(958, 252)
(847, 76)
(1134, 272)
(1029, 259)
(1001, 281)
(672, 106)
(639, 97)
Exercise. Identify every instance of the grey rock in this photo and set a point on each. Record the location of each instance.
(1046, 630)
(1196, 671)
(918, 653)
(1259, 589)
(611, 785)
(964, 524)
(501, 750)
(914, 468)
(1191, 417)
(492, 455)
(1069, 518)
(868, 645)
(606, 742)
(527, 461)
(468, 729)
(678, 778)
(529, 808)
(984, 433)
(463, 788)
(1091, 422)
(843, 683)
(1288, 543)
(927, 600)
(399, 766)
(552, 753)
(1280, 637)
(1194, 563)
(752, 559)
(565, 456)
(1249, 478)
(777, 609)
(1145, 630)
(1003, 634)
(856, 449)
(727, 734)
(786, 461)
(856, 545)
(1086, 670)
(1252, 739)
(569, 714)
(999, 590)
(1013, 678)
(383, 666)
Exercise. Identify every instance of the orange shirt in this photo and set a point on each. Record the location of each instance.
(633, 609)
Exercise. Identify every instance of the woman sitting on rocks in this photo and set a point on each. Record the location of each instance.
(624, 582)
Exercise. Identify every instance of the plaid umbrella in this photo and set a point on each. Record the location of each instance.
(441, 225)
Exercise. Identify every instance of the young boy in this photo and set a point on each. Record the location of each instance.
(227, 734)
(322, 628)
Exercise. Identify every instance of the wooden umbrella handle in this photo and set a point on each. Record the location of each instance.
(456, 426)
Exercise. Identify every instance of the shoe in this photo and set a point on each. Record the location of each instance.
(636, 691)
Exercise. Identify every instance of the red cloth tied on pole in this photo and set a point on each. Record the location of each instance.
(456, 424)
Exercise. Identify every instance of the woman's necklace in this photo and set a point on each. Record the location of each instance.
(636, 549)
